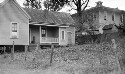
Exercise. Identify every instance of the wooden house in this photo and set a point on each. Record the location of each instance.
(14, 24)
(31, 26)
(100, 16)
(47, 27)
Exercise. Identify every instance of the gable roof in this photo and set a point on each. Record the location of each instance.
(49, 16)
(3, 3)
(17, 5)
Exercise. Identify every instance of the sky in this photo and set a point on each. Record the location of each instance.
(108, 3)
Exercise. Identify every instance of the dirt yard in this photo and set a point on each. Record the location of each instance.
(82, 59)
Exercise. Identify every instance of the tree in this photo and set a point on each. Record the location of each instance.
(79, 6)
(32, 4)
(55, 5)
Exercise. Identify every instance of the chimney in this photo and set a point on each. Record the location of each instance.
(99, 4)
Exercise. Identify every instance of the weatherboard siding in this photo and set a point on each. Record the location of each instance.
(53, 32)
(72, 30)
(35, 31)
(62, 42)
(109, 18)
(11, 13)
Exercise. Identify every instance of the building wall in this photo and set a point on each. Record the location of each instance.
(89, 18)
(11, 13)
(36, 33)
(72, 30)
(109, 18)
(62, 42)
(52, 32)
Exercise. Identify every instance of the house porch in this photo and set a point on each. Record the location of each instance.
(44, 35)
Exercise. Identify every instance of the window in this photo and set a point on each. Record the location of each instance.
(63, 35)
(122, 18)
(105, 15)
(14, 31)
(113, 17)
(14, 27)
(43, 32)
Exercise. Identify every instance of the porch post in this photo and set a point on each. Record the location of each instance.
(30, 35)
(40, 34)
(59, 36)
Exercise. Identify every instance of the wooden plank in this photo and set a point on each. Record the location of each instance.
(51, 57)
(26, 50)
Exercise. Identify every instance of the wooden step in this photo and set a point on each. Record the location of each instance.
(32, 47)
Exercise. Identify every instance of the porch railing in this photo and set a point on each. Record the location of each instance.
(49, 40)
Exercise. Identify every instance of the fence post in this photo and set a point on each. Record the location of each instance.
(12, 52)
(114, 46)
(26, 50)
(51, 57)
(4, 48)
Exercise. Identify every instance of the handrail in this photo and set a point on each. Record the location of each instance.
(49, 40)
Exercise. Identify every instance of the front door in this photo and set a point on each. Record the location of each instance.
(69, 38)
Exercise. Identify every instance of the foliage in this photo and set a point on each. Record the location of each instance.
(81, 59)
(32, 4)
(87, 39)
(55, 5)
(78, 5)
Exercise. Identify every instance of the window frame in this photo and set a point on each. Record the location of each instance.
(62, 35)
(121, 18)
(14, 27)
(113, 17)
(15, 30)
(45, 32)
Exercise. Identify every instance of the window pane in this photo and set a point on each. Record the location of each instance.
(14, 27)
(121, 18)
(43, 32)
(113, 17)
(63, 35)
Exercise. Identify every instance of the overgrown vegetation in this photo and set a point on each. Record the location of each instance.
(88, 39)
(81, 59)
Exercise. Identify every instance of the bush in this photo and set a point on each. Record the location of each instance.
(86, 39)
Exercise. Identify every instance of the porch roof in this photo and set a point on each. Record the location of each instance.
(49, 17)
(48, 24)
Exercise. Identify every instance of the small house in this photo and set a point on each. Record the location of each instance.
(14, 24)
(25, 26)
(48, 27)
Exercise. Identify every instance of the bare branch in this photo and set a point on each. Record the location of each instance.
(84, 2)
(73, 9)
(75, 2)
(86, 5)
(70, 5)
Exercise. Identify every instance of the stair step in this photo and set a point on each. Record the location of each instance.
(32, 47)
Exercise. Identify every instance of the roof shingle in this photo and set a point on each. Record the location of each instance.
(49, 16)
